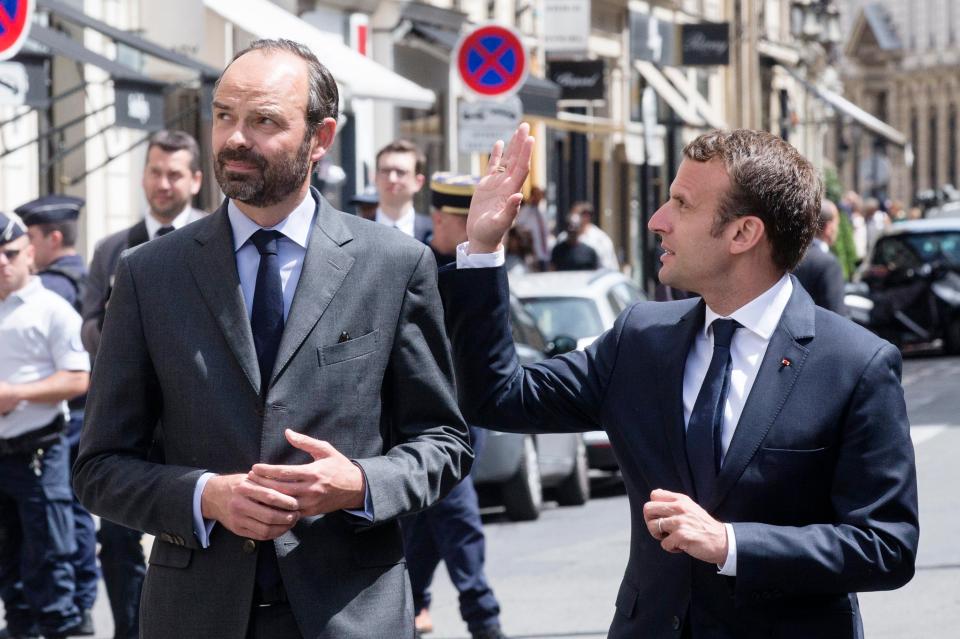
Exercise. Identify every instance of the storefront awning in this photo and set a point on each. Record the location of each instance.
(357, 75)
(870, 122)
(694, 97)
(132, 40)
(684, 109)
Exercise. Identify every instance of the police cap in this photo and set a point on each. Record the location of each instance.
(50, 209)
(451, 193)
(10, 228)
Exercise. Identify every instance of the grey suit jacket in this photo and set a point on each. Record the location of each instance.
(103, 267)
(177, 348)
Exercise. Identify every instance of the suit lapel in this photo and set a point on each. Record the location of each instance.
(214, 266)
(324, 269)
(770, 391)
(670, 378)
(137, 234)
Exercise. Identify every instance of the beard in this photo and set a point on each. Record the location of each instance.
(270, 182)
(170, 211)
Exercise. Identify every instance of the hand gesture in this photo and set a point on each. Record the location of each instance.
(682, 525)
(330, 482)
(496, 200)
(247, 509)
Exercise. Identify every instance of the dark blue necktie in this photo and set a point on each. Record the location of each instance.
(163, 230)
(706, 421)
(266, 321)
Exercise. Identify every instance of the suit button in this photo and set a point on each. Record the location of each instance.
(676, 622)
(249, 546)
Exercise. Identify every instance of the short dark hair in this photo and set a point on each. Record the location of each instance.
(68, 230)
(323, 97)
(404, 146)
(583, 208)
(172, 141)
(768, 179)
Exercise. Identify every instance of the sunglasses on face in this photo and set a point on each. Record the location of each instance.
(11, 254)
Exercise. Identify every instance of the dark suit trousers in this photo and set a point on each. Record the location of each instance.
(273, 622)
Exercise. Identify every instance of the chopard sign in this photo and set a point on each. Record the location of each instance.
(579, 80)
(705, 43)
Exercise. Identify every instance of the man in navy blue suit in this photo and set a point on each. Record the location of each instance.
(763, 441)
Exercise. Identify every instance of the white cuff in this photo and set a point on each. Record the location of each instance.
(201, 527)
(729, 567)
(479, 260)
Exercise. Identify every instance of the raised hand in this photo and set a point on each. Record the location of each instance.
(496, 200)
(330, 482)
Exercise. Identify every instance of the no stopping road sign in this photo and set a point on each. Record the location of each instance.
(491, 60)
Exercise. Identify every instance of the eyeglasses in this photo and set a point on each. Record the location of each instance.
(11, 254)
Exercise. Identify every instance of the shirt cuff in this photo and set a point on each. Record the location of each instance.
(479, 260)
(367, 512)
(729, 567)
(202, 527)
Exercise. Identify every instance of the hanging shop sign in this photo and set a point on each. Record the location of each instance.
(579, 80)
(706, 43)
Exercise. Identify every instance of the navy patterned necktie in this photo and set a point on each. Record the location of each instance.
(266, 321)
(163, 230)
(706, 421)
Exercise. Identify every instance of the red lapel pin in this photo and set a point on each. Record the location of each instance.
(784, 362)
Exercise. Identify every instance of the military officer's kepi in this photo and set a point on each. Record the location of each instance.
(10, 228)
(50, 209)
(451, 193)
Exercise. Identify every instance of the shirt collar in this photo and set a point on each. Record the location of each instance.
(154, 225)
(295, 227)
(32, 287)
(405, 218)
(761, 314)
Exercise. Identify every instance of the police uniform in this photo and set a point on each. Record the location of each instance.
(451, 529)
(67, 276)
(39, 335)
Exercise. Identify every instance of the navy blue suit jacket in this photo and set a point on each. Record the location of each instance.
(819, 480)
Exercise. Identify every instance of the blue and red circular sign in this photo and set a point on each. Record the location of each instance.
(492, 60)
(15, 19)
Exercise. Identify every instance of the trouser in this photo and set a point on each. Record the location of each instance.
(451, 531)
(124, 568)
(36, 576)
(85, 559)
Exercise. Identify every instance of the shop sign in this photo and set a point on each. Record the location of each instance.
(651, 39)
(566, 26)
(705, 43)
(138, 106)
(579, 80)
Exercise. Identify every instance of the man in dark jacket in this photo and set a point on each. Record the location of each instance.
(819, 271)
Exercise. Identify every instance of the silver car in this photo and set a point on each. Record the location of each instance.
(516, 469)
(579, 305)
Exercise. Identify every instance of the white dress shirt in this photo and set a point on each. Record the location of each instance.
(404, 223)
(758, 319)
(154, 225)
(291, 251)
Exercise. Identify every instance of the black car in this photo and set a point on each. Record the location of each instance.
(909, 288)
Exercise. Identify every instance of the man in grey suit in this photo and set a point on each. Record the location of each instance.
(296, 361)
(171, 177)
(819, 271)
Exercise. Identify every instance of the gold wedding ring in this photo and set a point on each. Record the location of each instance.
(501, 168)
(659, 527)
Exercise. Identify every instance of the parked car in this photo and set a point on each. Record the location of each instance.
(516, 469)
(580, 305)
(908, 290)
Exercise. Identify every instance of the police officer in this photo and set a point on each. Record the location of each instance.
(52, 226)
(451, 529)
(42, 364)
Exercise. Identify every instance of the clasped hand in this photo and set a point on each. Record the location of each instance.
(681, 525)
(270, 499)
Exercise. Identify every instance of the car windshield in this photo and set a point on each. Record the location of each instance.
(915, 249)
(575, 317)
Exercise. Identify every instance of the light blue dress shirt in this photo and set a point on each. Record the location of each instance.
(291, 251)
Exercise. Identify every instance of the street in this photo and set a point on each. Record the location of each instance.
(558, 577)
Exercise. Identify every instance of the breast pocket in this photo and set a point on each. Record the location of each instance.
(350, 349)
